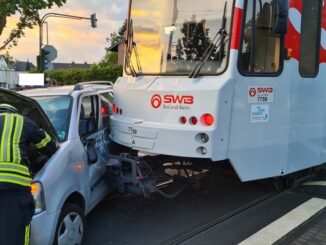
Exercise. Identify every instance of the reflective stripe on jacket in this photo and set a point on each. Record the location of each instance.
(15, 174)
(16, 134)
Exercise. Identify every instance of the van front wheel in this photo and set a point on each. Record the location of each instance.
(71, 225)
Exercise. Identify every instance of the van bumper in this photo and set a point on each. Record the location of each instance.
(43, 228)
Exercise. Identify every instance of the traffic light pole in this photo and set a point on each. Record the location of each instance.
(56, 15)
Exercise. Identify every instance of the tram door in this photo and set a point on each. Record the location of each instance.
(261, 91)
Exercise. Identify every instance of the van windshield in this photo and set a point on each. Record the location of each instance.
(57, 109)
(172, 36)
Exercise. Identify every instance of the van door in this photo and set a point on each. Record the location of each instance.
(106, 110)
(92, 139)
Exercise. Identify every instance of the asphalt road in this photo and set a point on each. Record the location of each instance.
(135, 220)
(224, 212)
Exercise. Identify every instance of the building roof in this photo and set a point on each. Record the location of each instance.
(22, 66)
(115, 47)
(4, 65)
(64, 66)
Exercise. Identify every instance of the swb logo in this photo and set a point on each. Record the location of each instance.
(156, 100)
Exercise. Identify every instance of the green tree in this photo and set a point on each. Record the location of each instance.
(113, 39)
(95, 73)
(179, 50)
(195, 40)
(123, 29)
(116, 37)
(199, 40)
(28, 12)
(110, 58)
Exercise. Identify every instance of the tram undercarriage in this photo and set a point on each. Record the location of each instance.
(169, 176)
(165, 175)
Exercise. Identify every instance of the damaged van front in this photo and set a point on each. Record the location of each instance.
(69, 184)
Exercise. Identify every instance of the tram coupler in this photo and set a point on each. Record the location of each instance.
(130, 174)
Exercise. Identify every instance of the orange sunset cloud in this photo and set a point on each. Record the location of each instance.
(75, 40)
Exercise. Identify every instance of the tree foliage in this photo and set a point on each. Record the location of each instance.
(107, 69)
(95, 73)
(123, 28)
(111, 58)
(113, 39)
(28, 11)
(116, 37)
(195, 40)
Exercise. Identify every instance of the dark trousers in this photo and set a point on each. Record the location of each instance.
(16, 212)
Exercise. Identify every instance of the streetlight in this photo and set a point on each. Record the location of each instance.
(92, 18)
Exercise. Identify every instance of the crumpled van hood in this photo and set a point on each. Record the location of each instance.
(30, 108)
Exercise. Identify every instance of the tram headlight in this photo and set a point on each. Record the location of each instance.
(204, 138)
(202, 150)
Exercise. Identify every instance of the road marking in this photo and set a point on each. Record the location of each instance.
(279, 228)
(321, 183)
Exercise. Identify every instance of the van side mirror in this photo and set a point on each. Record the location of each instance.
(91, 151)
(281, 16)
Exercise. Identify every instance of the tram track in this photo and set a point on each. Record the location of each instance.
(200, 229)
(212, 223)
(194, 215)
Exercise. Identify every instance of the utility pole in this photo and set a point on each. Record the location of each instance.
(40, 58)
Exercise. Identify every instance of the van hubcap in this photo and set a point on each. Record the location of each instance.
(71, 230)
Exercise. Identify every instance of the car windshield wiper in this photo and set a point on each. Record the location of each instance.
(217, 42)
(130, 48)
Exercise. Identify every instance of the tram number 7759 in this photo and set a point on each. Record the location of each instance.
(262, 99)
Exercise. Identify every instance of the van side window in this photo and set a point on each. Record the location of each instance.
(310, 37)
(88, 118)
(261, 48)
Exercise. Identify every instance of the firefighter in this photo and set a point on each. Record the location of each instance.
(17, 132)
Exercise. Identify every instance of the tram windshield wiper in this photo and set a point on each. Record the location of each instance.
(217, 43)
(131, 47)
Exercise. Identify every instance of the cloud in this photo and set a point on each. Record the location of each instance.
(75, 40)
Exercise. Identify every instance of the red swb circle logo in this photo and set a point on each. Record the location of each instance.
(156, 101)
(252, 92)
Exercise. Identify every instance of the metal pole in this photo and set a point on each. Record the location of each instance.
(48, 15)
(40, 38)
(47, 32)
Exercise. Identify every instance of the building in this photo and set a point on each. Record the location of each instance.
(23, 66)
(3, 63)
(8, 77)
(119, 48)
(65, 66)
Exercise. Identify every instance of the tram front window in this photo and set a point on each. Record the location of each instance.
(172, 36)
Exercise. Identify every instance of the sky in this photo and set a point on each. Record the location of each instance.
(75, 40)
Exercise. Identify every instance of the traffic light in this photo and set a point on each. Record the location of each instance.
(40, 63)
(44, 61)
(93, 21)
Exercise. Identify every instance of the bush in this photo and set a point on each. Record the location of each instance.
(95, 73)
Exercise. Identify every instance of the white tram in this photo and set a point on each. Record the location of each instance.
(243, 81)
